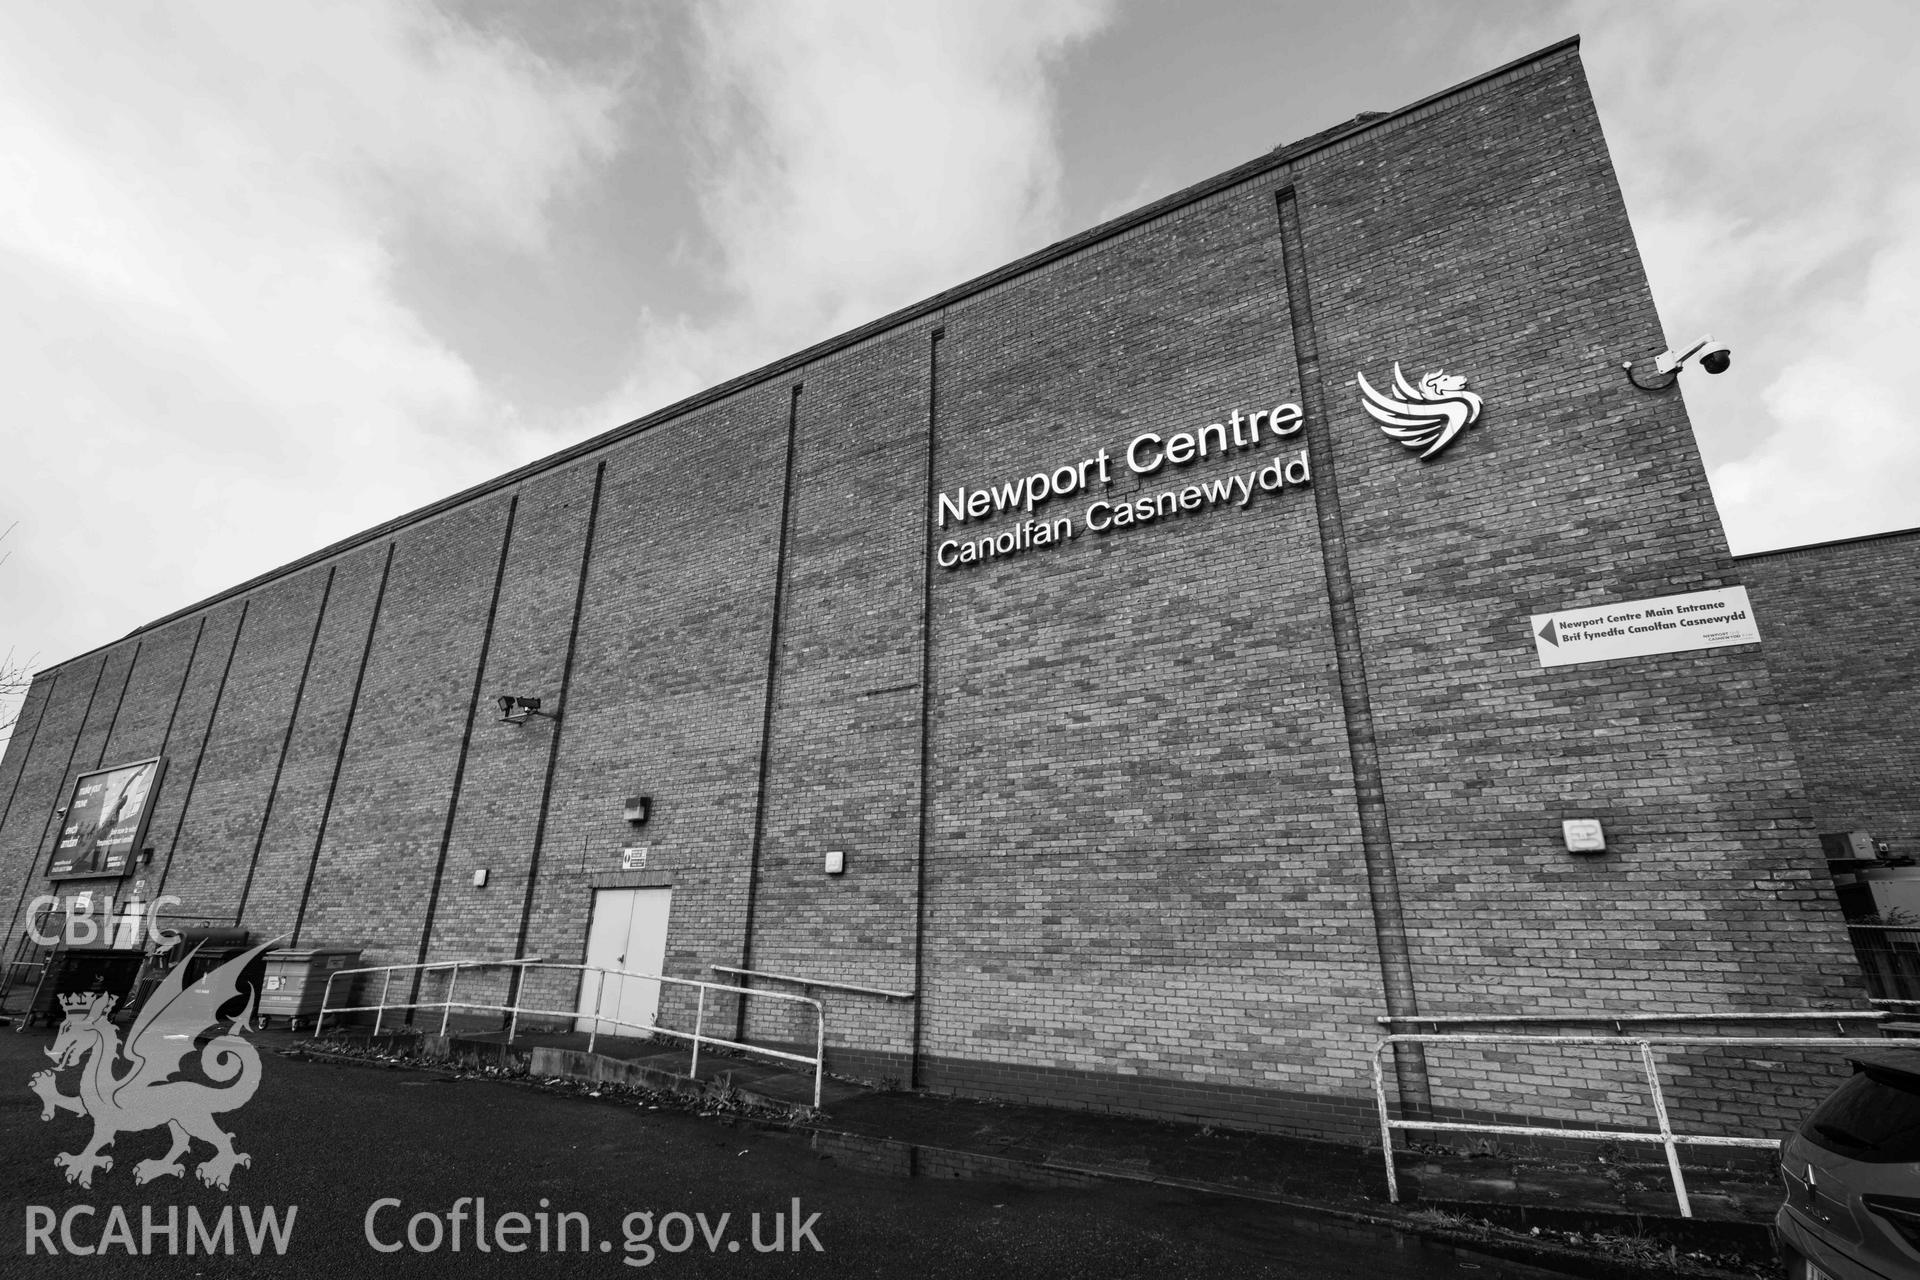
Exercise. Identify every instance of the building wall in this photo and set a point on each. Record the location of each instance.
(1164, 818)
(340, 634)
(668, 690)
(844, 751)
(1142, 813)
(1490, 239)
(1834, 618)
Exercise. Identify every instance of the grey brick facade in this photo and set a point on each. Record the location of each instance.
(1837, 615)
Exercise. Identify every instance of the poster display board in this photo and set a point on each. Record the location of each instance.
(106, 820)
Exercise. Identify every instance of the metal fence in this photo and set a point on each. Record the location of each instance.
(1644, 1048)
(811, 983)
(581, 1011)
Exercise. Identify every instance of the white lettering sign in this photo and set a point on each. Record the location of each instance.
(1146, 454)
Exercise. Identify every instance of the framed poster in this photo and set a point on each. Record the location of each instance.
(106, 820)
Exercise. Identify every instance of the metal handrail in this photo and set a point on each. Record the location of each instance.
(698, 1035)
(1617, 1019)
(812, 982)
(436, 965)
(9, 979)
(1664, 1134)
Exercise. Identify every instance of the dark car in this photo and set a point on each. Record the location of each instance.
(1853, 1177)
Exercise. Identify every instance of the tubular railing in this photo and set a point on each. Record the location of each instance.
(812, 982)
(698, 1036)
(1618, 1021)
(11, 975)
(1663, 1132)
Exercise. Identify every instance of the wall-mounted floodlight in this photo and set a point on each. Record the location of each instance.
(1584, 835)
(1712, 356)
(515, 710)
(639, 809)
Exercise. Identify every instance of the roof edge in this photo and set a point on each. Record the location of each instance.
(1833, 542)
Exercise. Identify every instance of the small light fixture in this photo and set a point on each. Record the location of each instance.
(479, 877)
(515, 710)
(836, 862)
(639, 809)
(1583, 835)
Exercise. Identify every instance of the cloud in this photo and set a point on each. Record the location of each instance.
(1765, 153)
(211, 367)
(854, 158)
(1844, 459)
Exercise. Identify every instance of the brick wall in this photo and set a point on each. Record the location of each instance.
(844, 753)
(220, 826)
(667, 696)
(504, 770)
(1142, 860)
(1489, 239)
(1833, 619)
(336, 645)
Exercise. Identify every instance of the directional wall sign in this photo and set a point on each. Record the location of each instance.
(1664, 624)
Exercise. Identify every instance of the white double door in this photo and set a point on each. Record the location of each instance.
(628, 932)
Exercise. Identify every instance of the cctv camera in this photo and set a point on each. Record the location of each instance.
(1713, 356)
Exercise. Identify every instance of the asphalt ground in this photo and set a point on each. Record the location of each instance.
(378, 1171)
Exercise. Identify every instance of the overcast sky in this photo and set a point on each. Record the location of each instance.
(278, 272)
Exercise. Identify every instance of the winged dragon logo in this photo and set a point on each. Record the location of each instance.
(1424, 416)
(146, 1095)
